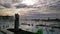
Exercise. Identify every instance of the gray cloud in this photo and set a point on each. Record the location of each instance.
(55, 7)
(6, 5)
(21, 6)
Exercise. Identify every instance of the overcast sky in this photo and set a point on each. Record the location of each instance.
(9, 7)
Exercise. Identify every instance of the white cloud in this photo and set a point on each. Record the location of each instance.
(42, 6)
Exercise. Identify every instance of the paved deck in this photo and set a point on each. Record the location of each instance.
(4, 31)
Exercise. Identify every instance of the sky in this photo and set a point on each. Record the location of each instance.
(29, 7)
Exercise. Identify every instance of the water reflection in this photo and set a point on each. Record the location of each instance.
(31, 26)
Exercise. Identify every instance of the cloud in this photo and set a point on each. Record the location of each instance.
(21, 6)
(6, 5)
(55, 7)
(42, 6)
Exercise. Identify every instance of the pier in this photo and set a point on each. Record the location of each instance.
(49, 26)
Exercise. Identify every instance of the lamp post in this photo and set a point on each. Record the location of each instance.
(16, 27)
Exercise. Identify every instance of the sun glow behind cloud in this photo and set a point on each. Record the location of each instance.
(29, 2)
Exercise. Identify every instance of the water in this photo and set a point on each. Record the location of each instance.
(33, 28)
